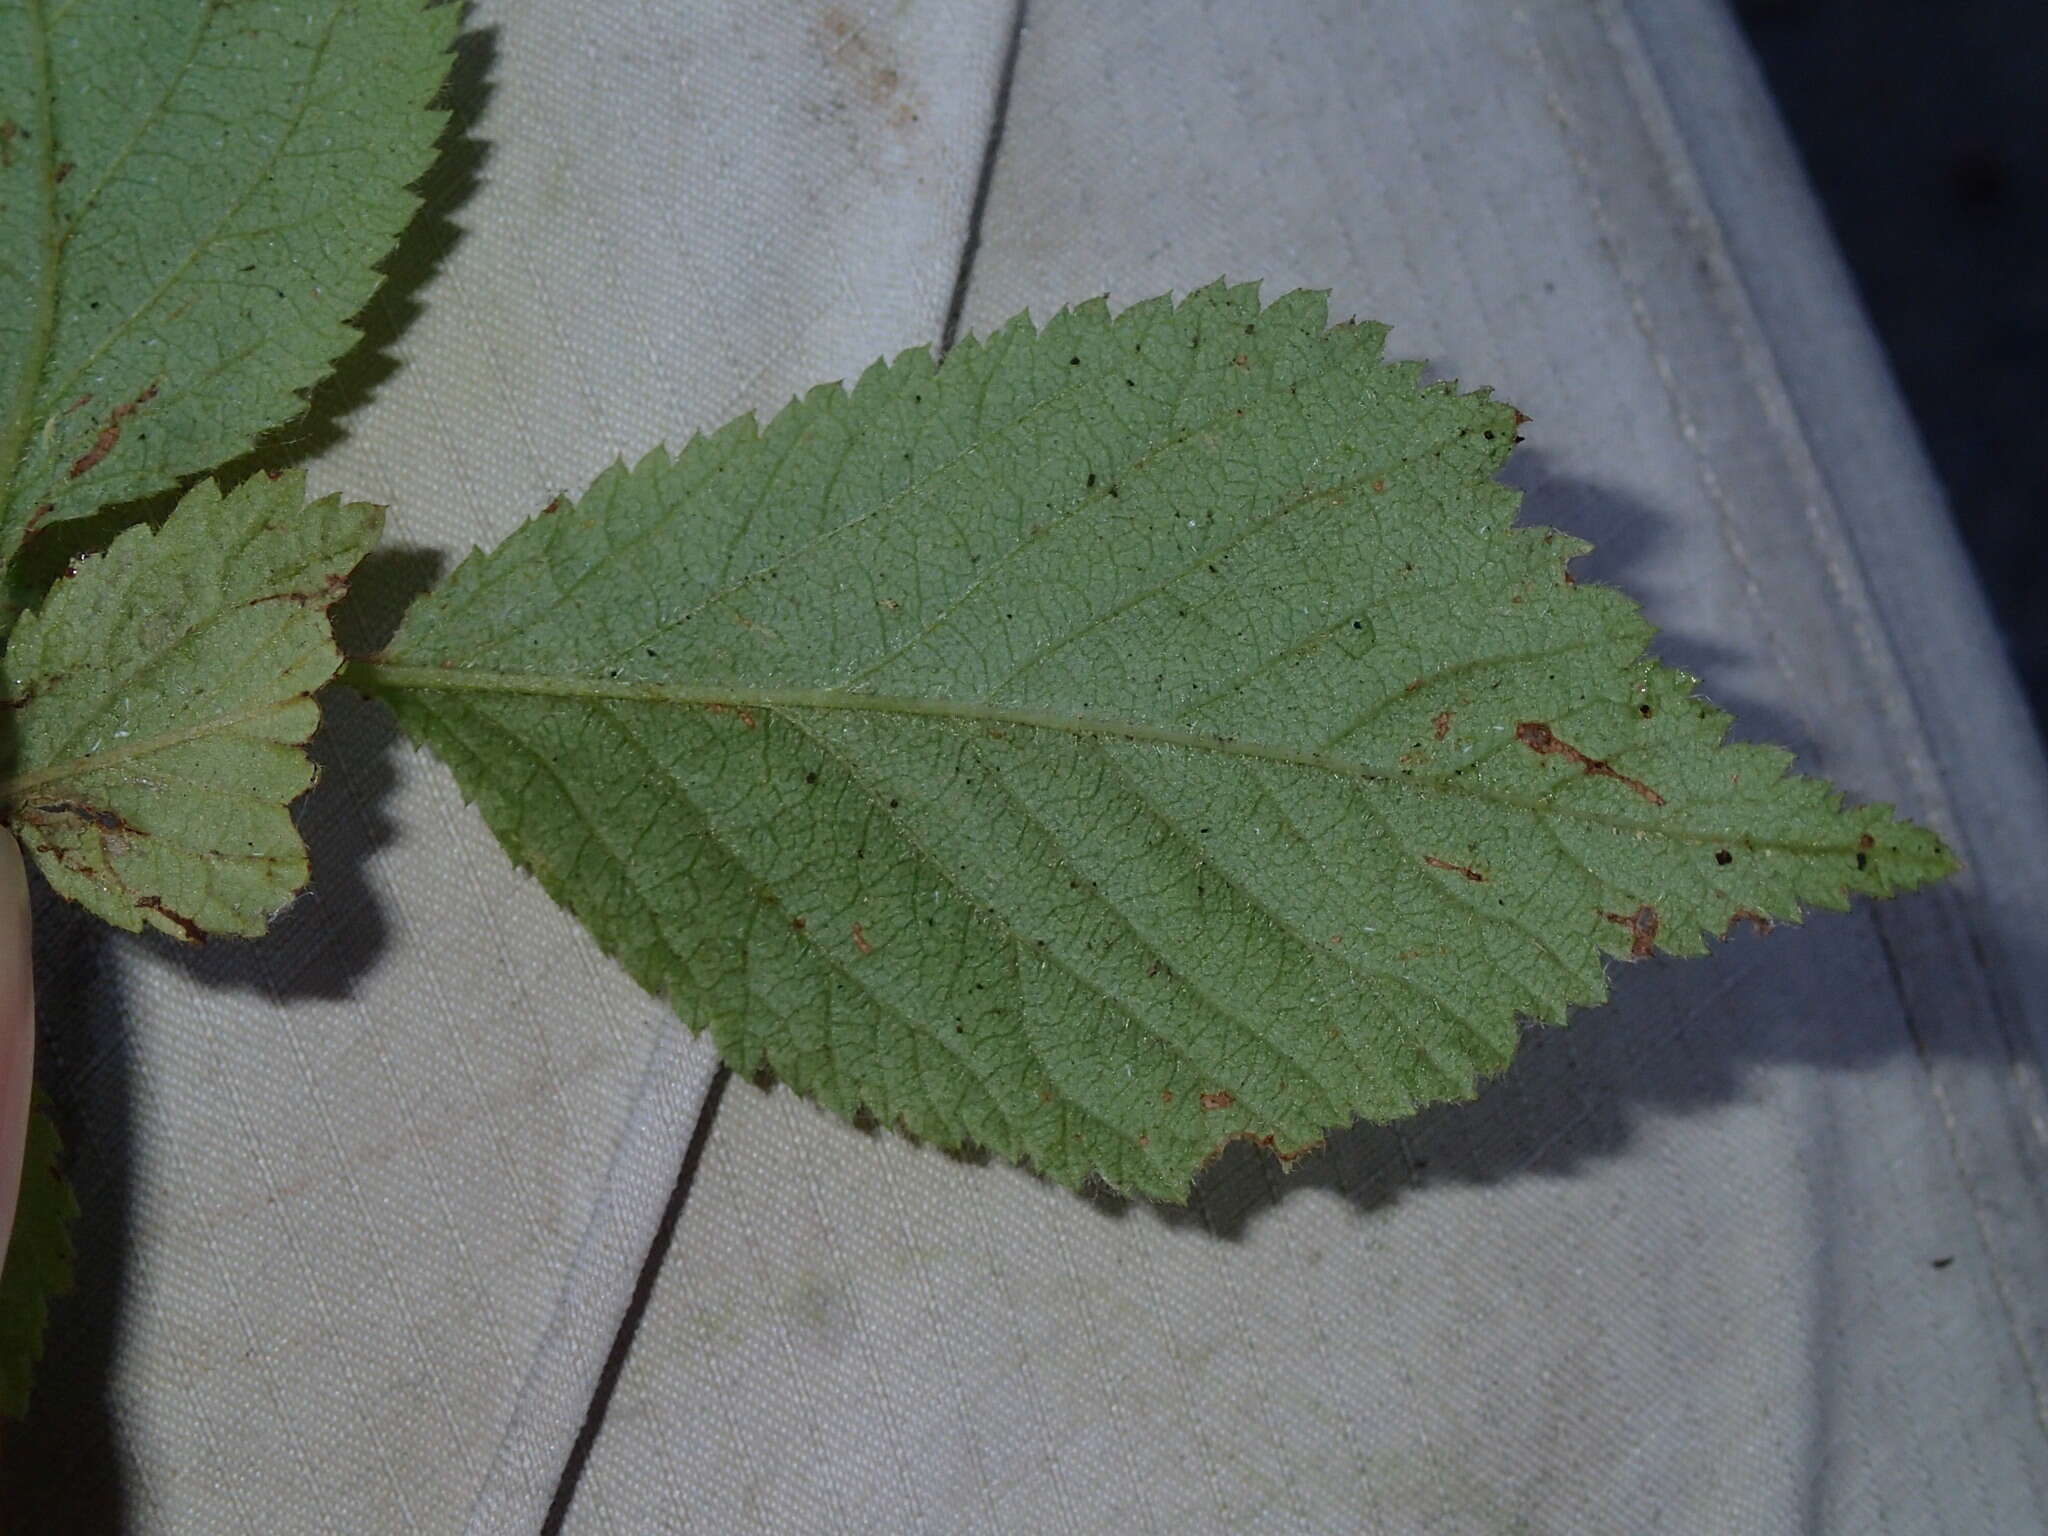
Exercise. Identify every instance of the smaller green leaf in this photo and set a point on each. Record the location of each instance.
(160, 699)
(38, 1265)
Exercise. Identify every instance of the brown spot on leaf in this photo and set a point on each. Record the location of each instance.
(1242, 360)
(1166, 1095)
(1723, 856)
(177, 924)
(64, 168)
(553, 506)
(1440, 724)
(1541, 740)
(1379, 485)
(105, 820)
(1456, 869)
(1756, 920)
(110, 434)
(797, 925)
(332, 586)
(860, 941)
(1642, 930)
(1219, 1099)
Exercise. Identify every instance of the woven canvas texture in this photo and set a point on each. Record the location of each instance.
(1747, 1251)
(1757, 1248)
(365, 1200)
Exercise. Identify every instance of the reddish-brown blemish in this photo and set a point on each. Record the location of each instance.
(64, 168)
(553, 506)
(1642, 930)
(190, 930)
(1379, 485)
(797, 925)
(1218, 1100)
(110, 434)
(1288, 1156)
(106, 821)
(1166, 1095)
(1456, 869)
(1440, 724)
(746, 719)
(1242, 360)
(1520, 419)
(1756, 920)
(1541, 740)
(860, 941)
(332, 586)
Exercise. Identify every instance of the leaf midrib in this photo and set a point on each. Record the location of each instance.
(13, 790)
(377, 677)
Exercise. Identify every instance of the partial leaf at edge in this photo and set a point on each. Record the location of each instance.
(159, 701)
(38, 1264)
(193, 197)
(1125, 737)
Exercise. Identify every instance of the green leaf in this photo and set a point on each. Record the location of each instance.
(160, 698)
(1123, 738)
(192, 197)
(38, 1267)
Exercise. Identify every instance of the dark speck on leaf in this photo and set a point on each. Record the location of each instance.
(1723, 856)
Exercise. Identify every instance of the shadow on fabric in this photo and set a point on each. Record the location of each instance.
(66, 1466)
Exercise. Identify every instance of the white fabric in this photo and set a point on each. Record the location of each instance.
(366, 1200)
(1759, 1247)
(1756, 1248)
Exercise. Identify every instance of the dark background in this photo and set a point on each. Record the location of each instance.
(1923, 124)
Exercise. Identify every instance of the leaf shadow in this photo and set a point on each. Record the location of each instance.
(1676, 1036)
(333, 931)
(65, 1465)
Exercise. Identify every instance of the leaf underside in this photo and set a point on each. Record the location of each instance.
(159, 700)
(1125, 737)
(38, 1266)
(192, 200)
